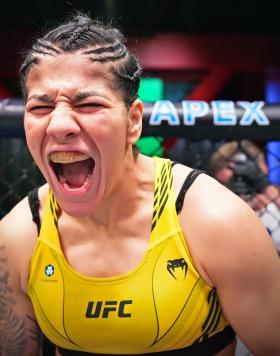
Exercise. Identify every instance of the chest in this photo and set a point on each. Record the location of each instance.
(103, 252)
(145, 308)
(107, 257)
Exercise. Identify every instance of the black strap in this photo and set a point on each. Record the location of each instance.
(186, 185)
(34, 204)
(207, 347)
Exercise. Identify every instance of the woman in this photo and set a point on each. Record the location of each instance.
(134, 255)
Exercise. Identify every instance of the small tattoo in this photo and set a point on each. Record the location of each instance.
(14, 335)
(34, 330)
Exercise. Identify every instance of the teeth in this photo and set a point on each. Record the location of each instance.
(62, 179)
(68, 157)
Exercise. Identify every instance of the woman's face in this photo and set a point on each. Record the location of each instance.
(78, 129)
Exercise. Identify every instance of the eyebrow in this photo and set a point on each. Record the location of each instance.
(87, 94)
(44, 98)
(79, 97)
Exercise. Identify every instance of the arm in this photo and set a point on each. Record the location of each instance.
(234, 253)
(19, 332)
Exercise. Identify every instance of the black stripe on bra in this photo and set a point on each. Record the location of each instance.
(207, 347)
(34, 204)
(186, 185)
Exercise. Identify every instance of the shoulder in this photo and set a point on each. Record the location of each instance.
(18, 235)
(223, 233)
(18, 222)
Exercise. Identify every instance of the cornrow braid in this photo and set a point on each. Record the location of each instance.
(99, 42)
(83, 26)
(136, 75)
(129, 74)
(45, 46)
(121, 53)
(100, 50)
(40, 47)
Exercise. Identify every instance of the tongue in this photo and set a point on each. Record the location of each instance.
(76, 173)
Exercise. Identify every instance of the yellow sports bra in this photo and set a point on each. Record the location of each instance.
(163, 304)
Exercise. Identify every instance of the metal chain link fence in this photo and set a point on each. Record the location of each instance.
(242, 167)
(19, 174)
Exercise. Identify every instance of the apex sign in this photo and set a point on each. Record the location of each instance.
(224, 113)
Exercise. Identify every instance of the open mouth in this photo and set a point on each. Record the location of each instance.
(72, 169)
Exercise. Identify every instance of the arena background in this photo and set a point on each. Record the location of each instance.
(211, 74)
(189, 50)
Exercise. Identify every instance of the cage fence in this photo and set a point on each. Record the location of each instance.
(237, 160)
(18, 172)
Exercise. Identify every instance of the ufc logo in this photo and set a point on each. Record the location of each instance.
(102, 309)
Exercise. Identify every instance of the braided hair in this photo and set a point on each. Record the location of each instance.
(100, 43)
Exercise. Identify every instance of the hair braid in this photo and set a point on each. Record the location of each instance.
(93, 39)
(99, 50)
(136, 75)
(121, 53)
(47, 46)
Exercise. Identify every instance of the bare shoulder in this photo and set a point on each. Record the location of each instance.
(233, 252)
(18, 327)
(18, 236)
(17, 224)
(222, 231)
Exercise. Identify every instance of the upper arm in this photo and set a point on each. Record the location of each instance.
(19, 332)
(234, 252)
(247, 279)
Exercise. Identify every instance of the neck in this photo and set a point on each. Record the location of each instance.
(127, 196)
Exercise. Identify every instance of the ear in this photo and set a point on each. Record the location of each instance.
(135, 121)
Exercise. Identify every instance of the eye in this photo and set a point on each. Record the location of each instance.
(84, 105)
(90, 107)
(39, 109)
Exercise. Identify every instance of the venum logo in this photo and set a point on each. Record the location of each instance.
(173, 265)
(102, 309)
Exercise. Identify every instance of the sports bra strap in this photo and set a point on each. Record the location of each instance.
(186, 185)
(34, 205)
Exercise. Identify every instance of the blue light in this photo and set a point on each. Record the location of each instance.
(273, 147)
(273, 91)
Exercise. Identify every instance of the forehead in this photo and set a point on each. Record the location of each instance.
(72, 70)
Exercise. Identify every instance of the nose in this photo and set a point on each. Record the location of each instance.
(63, 125)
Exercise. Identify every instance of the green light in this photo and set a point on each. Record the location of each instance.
(150, 90)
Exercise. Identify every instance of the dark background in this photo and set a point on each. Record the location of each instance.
(255, 23)
(226, 49)
(146, 16)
